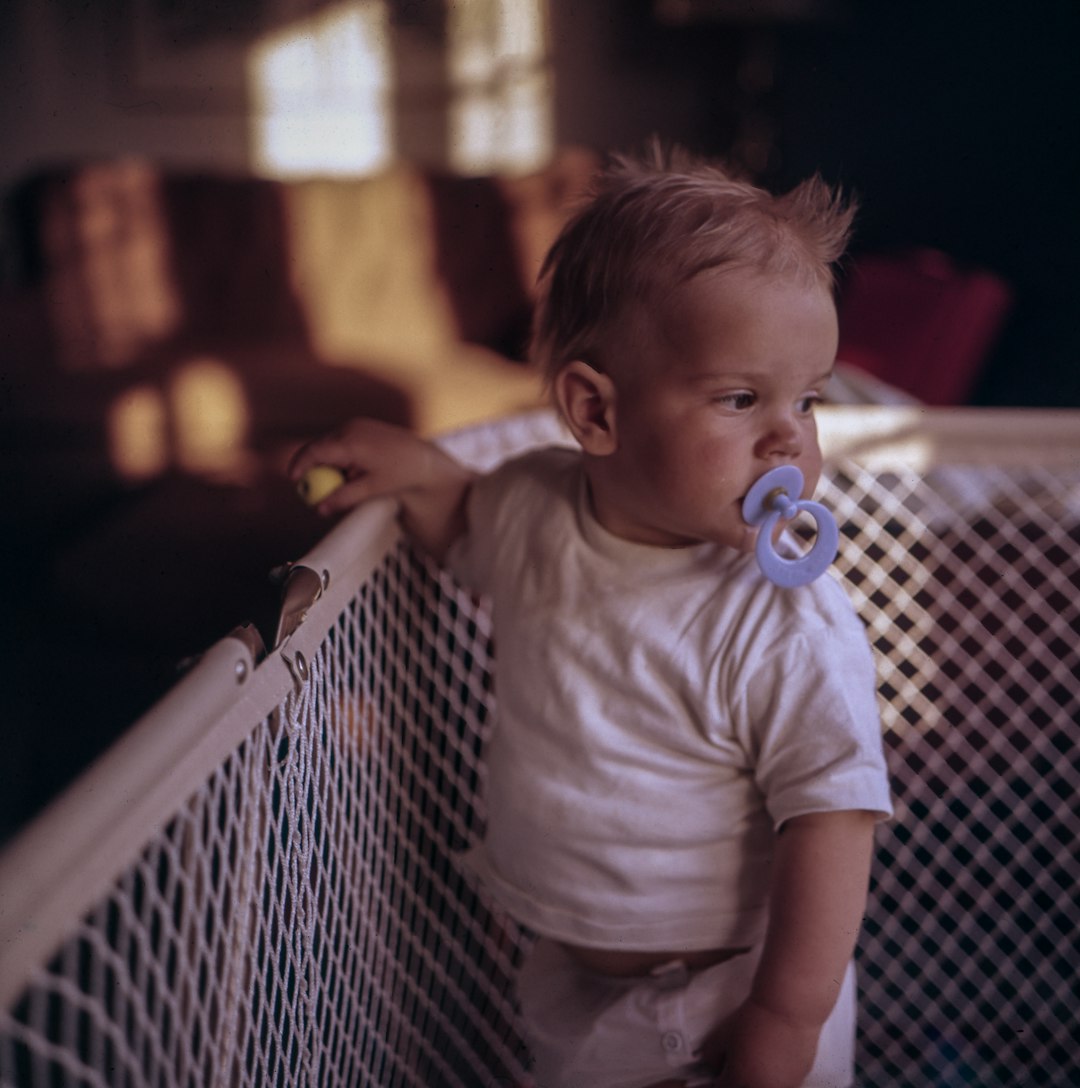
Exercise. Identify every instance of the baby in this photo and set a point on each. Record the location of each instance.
(687, 767)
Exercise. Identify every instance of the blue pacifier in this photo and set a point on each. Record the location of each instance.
(769, 501)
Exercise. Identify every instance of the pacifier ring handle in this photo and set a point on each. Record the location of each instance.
(767, 502)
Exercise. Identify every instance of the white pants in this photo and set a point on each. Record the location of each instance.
(587, 1030)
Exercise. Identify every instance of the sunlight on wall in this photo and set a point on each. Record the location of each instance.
(136, 429)
(501, 103)
(479, 90)
(200, 424)
(210, 418)
(321, 94)
(111, 291)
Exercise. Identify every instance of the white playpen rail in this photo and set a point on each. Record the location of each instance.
(255, 885)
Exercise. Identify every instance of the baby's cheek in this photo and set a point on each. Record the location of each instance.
(810, 465)
(748, 540)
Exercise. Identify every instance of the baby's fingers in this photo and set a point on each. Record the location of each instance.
(318, 482)
(322, 451)
(351, 493)
(360, 445)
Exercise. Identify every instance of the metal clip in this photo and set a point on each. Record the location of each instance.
(298, 668)
(302, 588)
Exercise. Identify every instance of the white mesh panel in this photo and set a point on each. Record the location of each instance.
(969, 581)
(299, 920)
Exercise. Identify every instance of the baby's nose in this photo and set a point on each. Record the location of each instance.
(783, 439)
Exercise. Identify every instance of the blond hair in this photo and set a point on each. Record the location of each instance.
(655, 222)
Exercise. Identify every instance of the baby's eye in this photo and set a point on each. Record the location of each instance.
(809, 402)
(738, 402)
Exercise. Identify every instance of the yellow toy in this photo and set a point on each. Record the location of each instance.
(318, 482)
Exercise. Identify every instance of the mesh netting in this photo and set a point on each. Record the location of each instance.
(969, 582)
(300, 920)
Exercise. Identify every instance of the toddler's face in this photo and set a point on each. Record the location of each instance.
(733, 365)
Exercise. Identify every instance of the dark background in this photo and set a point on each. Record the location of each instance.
(956, 123)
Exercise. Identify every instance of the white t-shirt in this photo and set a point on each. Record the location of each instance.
(660, 712)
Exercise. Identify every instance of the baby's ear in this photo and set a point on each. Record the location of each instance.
(586, 399)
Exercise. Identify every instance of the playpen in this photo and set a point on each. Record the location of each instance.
(256, 885)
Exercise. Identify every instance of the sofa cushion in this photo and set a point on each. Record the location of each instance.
(362, 263)
(132, 257)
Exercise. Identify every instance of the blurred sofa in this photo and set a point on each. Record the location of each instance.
(171, 336)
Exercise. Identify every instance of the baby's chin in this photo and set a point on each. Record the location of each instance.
(741, 539)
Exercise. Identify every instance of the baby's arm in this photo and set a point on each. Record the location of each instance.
(818, 897)
(382, 460)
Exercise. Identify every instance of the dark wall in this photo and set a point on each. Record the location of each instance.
(958, 124)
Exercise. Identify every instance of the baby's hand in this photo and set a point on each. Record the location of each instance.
(757, 1048)
(370, 458)
(380, 460)
(318, 483)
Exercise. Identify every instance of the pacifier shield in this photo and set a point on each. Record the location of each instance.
(756, 506)
(772, 497)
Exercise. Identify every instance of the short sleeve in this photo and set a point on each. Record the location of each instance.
(471, 558)
(812, 724)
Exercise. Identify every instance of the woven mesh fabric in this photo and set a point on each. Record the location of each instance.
(300, 920)
(969, 582)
